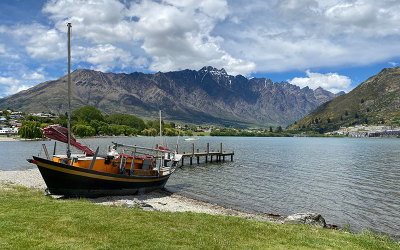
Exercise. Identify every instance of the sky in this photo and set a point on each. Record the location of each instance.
(333, 44)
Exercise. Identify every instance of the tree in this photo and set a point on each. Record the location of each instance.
(82, 130)
(278, 129)
(86, 114)
(128, 120)
(149, 132)
(30, 130)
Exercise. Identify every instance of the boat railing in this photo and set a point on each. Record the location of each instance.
(165, 162)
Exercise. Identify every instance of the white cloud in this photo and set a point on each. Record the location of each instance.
(12, 89)
(178, 35)
(301, 34)
(39, 41)
(240, 36)
(100, 21)
(329, 81)
(394, 64)
(33, 76)
(105, 57)
(8, 80)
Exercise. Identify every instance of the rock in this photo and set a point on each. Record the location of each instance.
(311, 219)
(129, 204)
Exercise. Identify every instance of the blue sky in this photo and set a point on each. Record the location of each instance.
(335, 44)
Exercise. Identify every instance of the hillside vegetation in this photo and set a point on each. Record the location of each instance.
(375, 101)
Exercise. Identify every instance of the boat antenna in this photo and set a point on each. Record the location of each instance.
(69, 91)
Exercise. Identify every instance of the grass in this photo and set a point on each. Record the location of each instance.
(30, 220)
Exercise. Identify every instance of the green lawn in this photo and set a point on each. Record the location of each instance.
(30, 220)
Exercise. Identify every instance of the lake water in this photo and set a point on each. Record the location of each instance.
(348, 180)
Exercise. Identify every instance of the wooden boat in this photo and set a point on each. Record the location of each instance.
(113, 174)
(140, 170)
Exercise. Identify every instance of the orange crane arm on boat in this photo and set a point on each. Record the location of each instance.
(59, 133)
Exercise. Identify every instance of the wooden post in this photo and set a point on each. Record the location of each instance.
(191, 159)
(211, 158)
(220, 148)
(182, 160)
(198, 157)
(176, 148)
(192, 148)
(232, 156)
(208, 151)
(223, 159)
(45, 151)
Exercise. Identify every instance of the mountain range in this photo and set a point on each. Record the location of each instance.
(375, 101)
(208, 95)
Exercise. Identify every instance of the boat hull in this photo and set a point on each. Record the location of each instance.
(62, 179)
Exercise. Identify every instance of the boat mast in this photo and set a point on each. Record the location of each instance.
(69, 91)
(160, 130)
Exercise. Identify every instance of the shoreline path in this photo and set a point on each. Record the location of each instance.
(161, 200)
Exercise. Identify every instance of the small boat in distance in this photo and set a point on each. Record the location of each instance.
(191, 139)
(135, 169)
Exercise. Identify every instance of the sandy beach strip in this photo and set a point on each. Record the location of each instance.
(161, 200)
(3, 138)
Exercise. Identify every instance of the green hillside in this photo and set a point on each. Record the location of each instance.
(375, 101)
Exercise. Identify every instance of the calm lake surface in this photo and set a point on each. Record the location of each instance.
(347, 180)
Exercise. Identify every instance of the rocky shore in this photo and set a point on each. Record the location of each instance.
(163, 200)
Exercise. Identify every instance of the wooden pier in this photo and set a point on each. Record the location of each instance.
(218, 156)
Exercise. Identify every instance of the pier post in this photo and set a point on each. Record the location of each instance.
(207, 151)
(191, 160)
(198, 157)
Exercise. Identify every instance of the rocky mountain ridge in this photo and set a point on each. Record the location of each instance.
(208, 95)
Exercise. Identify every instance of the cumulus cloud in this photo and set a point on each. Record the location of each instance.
(394, 64)
(241, 36)
(105, 57)
(329, 81)
(172, 34)
(12, 89)
(301, 34)
(8, 80)
(33, 76)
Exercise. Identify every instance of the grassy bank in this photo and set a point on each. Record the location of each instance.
(30, 220)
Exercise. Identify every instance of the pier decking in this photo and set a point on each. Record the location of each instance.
(208, 156)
